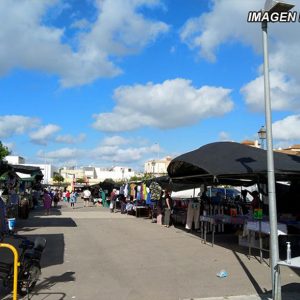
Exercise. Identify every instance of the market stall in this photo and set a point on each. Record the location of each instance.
(16, 184)
(234, 164)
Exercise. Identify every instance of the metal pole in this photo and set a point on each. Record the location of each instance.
(276, 287)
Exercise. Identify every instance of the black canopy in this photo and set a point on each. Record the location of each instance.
(231, 163)
(166, 183)
(26, 169)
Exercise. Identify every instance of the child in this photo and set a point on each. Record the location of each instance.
(73, 199)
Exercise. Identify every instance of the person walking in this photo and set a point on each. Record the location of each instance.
(56, 199)
(68, 195)
(47, 202)
(86, 197)
(73, 199)
(112, 198)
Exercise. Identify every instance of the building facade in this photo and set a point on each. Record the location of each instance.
(93, 175)
(47, 170)
(157, 167)
(15, 160)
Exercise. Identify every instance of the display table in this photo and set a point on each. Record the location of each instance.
(261, 227)
(140, 210)
(295, 263)
(216, 220)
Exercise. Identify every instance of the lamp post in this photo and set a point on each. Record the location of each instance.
(157, 144)
(153, 165)
(262, 135)
(123, 170)
(271, 6)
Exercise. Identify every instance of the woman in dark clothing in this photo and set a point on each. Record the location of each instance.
(168, 209)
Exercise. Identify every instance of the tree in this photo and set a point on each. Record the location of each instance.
(3, 151)
(58, 178)
(80, 180)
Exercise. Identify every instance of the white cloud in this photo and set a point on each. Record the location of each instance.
(224, 136)
(103, 154)
(81, 24)
(171, 104)
(284, 93)
(69, 139)
(115, 140)
(208, 32)
(16, 124)
(119, 29)
(43, 134)
(287, 129)
(61, 154)
(10, 145)
(119, 154)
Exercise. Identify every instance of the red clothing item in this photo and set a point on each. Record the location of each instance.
(112, 195)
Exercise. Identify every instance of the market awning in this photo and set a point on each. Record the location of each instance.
(167, 183)
(231, 163)
(27, 169)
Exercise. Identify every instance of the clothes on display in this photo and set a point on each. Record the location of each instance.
(155, 190)
(139, 194)
(126, 191)
(122, 188)
(193, 214)
(132, 190)
(3, 226)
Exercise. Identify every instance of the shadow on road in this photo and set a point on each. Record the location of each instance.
(49, 282)
(248, 273)
(38, 221)
(289, 291)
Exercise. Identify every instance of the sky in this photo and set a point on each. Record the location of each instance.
(119, 82)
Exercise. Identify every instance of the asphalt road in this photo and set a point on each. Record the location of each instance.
(93, 254)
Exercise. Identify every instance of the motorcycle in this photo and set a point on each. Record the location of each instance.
(29, 269)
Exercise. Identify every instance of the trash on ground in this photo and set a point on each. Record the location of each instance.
(222, 274)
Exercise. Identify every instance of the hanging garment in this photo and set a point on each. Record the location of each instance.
(132, 190)
(144, 187)
(126, 190)
(138, 193)
(3, 225)
(122, 188)
(155, 191)
(148, 199)
(193, 215)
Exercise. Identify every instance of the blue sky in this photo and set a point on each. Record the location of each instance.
(117, 82)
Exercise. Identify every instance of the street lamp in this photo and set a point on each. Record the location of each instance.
(262, 134)
(153, 165)
(271, 6)
(123, 170)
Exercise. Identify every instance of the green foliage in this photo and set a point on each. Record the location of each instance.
(143, 177)
(3, 151)
(58, 178)
(80, 180)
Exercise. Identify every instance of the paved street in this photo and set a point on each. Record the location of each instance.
(93, 254)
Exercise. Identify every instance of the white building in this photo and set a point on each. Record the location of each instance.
(89, 172)
(14, 159)
(157, 167)
(115, 173)
(47, 170)
(93, 175)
